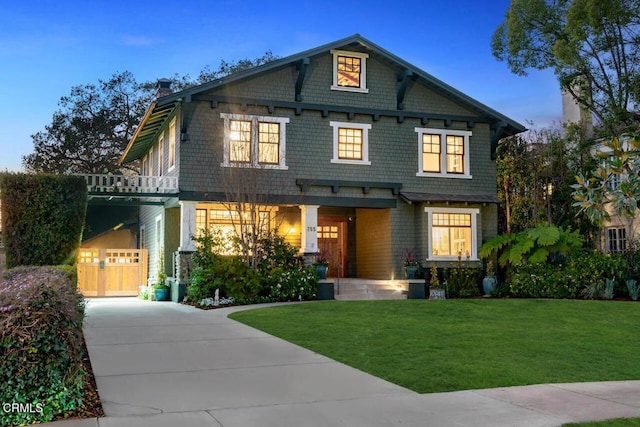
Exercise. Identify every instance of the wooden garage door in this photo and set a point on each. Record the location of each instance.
(111, 272)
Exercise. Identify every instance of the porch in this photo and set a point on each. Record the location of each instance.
(352, 289)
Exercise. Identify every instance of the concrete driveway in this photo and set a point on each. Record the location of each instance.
(165, 364)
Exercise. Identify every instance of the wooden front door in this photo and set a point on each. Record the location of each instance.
(332, 239)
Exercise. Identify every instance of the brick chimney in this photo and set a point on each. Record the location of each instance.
(163, 88)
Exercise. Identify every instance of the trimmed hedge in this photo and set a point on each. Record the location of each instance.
(41, 349)
(43, 217)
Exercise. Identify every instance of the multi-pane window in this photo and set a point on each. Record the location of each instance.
(431, 153)
(201, 221)
(455, 154)
(452, 233)
(349, 71)
(616, 239)
(327, 232)
(443, 153)
(257, 141)
(240, 141)
(350, 144)
(269, 143)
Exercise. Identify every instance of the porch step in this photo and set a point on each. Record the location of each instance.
(366, 289)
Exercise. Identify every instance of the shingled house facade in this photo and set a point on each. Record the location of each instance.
(350, 149)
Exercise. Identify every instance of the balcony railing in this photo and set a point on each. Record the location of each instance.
(111, 184)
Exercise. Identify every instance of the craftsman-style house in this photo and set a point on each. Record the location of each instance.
(348, 149)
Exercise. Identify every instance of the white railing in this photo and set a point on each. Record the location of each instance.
(130, 184)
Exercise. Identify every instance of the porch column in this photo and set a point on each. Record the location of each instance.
(309, 229)
(187, 226)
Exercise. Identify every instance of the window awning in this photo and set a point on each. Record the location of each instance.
(414, 197)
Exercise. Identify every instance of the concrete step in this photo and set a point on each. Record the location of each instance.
(361, 289)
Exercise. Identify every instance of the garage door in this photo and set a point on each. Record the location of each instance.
(111, 272)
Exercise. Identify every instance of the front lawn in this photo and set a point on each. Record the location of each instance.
(618, 422)
(436, 346)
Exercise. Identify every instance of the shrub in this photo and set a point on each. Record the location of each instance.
(278, 276)
(41, 315)
(462, 280)
(43, 217)
(583, 274)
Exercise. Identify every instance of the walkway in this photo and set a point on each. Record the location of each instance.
(164, 364)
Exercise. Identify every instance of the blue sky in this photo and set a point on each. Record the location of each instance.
(46, 47)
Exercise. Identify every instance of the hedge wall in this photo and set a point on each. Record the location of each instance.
(41, 351)
(42, 218)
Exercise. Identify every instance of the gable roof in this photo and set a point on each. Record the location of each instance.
(163, 107)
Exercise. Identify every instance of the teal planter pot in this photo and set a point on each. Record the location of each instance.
(411, 271)
(489, 284)
(322, 271)
(161, 294)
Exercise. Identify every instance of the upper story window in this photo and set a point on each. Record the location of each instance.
(172, 145)
(255, 141)
(350, 143)
(433, 143)
(349, 71)
(161, 154)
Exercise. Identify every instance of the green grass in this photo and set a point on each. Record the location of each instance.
(618, 422)
(435, 346)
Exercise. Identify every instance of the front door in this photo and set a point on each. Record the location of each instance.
(332, 239)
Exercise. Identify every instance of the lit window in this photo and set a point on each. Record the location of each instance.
(201, 221)
(434, 142)
(452, 233)
(172, 144)
(455, 154)
(616, 240)
(254, 141)
(269, 143)
(240, 141)
(350, 143)
(328, 232)
(349, 71)
(431, 153)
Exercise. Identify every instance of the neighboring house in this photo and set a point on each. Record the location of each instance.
(617, 233)
(347, 147)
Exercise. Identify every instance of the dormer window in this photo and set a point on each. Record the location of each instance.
(349, 71)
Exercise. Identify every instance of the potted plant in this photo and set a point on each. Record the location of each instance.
(435, 291)
(321, 264)
(410, 265)
(489, 282)
(160, 289)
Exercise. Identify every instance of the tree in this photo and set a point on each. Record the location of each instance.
(535, 173)
(592, 46)
(614, 186)
(91, 130)
(92, 127)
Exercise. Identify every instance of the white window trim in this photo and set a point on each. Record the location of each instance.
(363, 71)
(151, 161)
(282, 165)
(474, 212)
(365, 142)
(443, 153)
(172, 141)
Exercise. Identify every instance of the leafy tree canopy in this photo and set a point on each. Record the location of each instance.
(591, 45)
